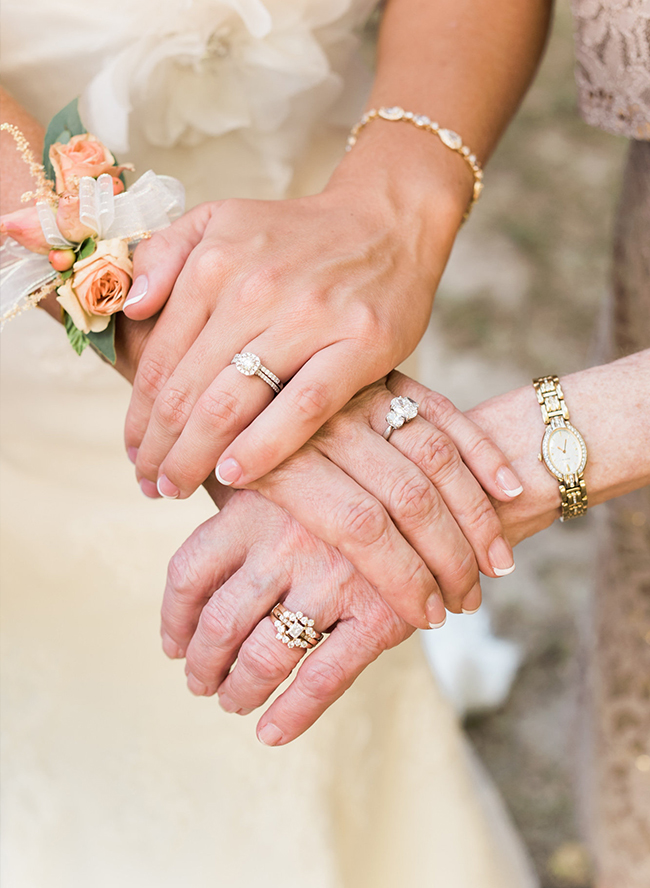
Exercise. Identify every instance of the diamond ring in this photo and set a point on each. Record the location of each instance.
(401, 410)
(294, 630)
(250, 365)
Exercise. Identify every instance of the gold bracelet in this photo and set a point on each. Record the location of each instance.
(447, 137)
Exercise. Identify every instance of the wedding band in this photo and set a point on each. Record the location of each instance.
(250, 365)
(401, 410)
(294, 630)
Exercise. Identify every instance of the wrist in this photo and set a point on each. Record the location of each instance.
(410, 171)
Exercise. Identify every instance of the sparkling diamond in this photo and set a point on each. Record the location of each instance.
(295, 631)
(298, 614)
(247, 363)
(395, 113)
(472, 158)
(408, 115)
(465, 150)
(284, 639)
(450, 138)
(394, 420)
(421, 120)
(405, 407)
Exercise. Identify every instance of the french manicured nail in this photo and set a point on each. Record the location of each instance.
(472, 601)
(228, 471)
(269, 735)
(149, 489)
(468, 613)
(132, 453)
(166, 488)
(196, 687)
(500, 557)
(508, 482)
(173, 651)
(434, 611)
(138, 290)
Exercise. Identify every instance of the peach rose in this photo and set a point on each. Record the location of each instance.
(83, 155)
(68, 221)
(25, 227)
(98, 286)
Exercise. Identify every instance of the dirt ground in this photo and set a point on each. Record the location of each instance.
(521, 297)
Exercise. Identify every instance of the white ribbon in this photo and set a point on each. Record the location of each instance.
(150, 204)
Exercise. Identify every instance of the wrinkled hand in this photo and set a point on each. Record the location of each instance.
(221, 585)
(331, 291)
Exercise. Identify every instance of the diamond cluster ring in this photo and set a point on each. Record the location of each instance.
(401, 410)
(294, 630)
(250, 365)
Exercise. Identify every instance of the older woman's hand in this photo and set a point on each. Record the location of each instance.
(331, 291)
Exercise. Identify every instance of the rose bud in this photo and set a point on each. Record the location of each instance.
(62, 260)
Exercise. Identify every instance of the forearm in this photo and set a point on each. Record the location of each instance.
(610, 405)
(466, 64)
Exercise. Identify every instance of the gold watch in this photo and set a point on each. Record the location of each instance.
(564, 452)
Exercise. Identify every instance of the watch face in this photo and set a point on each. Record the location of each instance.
(564, 451)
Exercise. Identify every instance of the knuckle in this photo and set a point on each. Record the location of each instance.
(438, 457)
(263, 661)
(152, 376)
(182, 575)
(483, 518)
(310, 400)
(324, 680)
(219, 624)
(172, 409)
(413, 500)
(221, 409)
(364, 520)
(437, 409)
(461, 575)
(206, 265)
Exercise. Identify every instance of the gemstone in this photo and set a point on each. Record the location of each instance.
(465, 150)
(295, 631)
(451, 139)
(421, 120)
(394, 420)
(408, 115)
(247, 363)
(406, 407)
(394, 113)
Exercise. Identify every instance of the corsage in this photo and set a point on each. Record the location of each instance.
(79, 237)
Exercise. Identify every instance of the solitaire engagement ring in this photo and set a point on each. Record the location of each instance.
(401, 410)
(294, 630)
(250, 365)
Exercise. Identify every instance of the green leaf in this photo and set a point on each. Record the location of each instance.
(78, 340)
(62, 128)
(86, 249)
(104, 342)
(66, 274)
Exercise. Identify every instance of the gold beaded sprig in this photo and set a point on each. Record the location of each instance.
(447, 137)
(44, 188)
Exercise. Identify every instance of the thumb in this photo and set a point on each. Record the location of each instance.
(158, 261)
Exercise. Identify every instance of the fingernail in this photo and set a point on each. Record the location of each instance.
(434, 611)
(500, 557)
(228, 471)
(227, 704)
(169, 646)
(472, 601)
(196, 687)
(166, 488)
(438, 625)
(149, 489)
(138, 290)
(132, 453)
(269, 735)
(469, 613)
(508, 482)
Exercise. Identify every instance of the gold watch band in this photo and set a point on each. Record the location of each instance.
(573, 493)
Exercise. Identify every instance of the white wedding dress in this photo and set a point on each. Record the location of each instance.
(112, 773)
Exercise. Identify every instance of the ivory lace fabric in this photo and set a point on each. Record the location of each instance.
(612, 39)
(113, 773)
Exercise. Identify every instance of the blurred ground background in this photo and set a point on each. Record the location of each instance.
(521, 297)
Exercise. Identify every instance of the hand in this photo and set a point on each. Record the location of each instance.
(331, 291)
(411, 513)
(224, 581)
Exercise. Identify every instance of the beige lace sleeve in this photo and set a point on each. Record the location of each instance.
(613, 64)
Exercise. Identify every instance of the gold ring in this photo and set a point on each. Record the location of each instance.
(294, 630)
